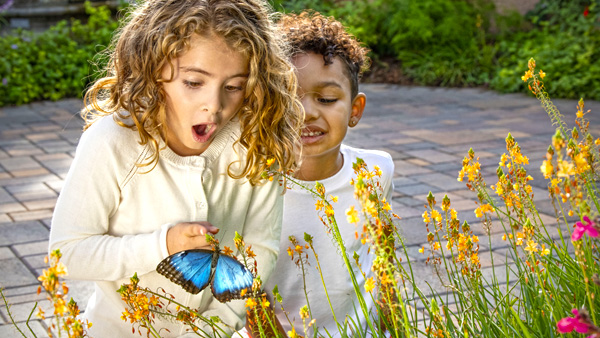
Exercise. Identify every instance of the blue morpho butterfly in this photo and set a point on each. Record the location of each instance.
(194, 269)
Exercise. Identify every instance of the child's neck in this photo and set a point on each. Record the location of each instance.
(314, 168)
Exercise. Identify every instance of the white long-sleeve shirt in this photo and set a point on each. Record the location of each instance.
(111, 219)
(300, 217)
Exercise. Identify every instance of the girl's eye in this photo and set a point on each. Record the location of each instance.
(192, 84)
(234, 88)
(326, 101)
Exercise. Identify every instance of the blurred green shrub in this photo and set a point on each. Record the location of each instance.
(566, 39)
(54, 64)
(467, 43)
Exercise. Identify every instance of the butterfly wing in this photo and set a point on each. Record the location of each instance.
(230, 278)
(190, 268)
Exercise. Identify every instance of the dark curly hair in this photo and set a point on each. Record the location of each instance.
(313, 32)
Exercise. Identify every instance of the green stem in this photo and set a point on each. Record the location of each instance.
(12, 320)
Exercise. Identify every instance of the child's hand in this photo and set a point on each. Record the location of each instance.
(189, 235)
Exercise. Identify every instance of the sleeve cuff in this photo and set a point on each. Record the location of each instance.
(163, 239)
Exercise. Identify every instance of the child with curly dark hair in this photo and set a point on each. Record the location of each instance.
(329, 62)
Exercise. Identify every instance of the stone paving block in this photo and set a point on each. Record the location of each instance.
(417, 161)
(57, 162)
(413, 230)
(409, 201)
(36, 261)
(406, 212)
(19, 163)
(5, 196)
(39, 329)
(48, 203)
(40, 137)
(15, 273)
(33, 248)
(57, 146)
(404, 168)
(23, 150)
(30, 191)
(4, 218)
(433, 156)
(55, 185)
(6, 253)
(46, 222)
(416, 189)
(30, 215)
(11, 207)
(20, 311)
(22, 232)
(441, 181)
(9, 180)
(26, 297)
(418, 146)
(30, 172)
(44, 126)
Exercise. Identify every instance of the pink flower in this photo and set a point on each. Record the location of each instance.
(569, 324)
(581, 229)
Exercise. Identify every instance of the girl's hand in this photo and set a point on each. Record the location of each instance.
(189, 235)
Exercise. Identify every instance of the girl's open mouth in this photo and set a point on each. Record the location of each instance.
(203, 132)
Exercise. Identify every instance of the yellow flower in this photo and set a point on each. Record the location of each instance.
(292, 333)
(453, 214)
(474, 258)
(265, 303)
(542, 74)
(251, 303)
(436, 246)
(377, 171)
(544, 251)
(329, 211)
(547, 169)
(422, 250)
(227, 251)
(270, 162)
(482, 209)
(565, 169)
(333, 198)
(352, 215)
(369, 284)
(436, 215)
(319, 205)
(426, 218)
(304, 312)
(531, 246)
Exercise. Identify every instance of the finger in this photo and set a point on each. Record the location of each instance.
(197, 230)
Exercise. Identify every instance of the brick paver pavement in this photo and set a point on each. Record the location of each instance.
(426, 130)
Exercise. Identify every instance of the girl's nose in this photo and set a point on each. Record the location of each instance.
(213, 101)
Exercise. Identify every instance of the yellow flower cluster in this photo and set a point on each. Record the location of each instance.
(65, 313)
(513, 182)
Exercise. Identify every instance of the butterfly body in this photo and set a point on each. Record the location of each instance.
(195, 269)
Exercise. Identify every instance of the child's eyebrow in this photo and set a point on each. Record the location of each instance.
(324, 84)
(204, 72)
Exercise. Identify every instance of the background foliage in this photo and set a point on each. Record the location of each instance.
(56, 63)
(462, 43)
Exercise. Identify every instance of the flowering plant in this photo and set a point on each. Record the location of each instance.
(64, 319)
(543, 282)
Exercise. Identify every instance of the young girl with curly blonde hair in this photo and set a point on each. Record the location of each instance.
(198, 94)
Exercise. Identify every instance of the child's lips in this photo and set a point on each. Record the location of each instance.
(311, 135)
(203, 132)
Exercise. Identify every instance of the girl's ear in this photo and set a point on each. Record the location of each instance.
(358, 106)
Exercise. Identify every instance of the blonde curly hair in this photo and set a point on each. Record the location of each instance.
(156, 32)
